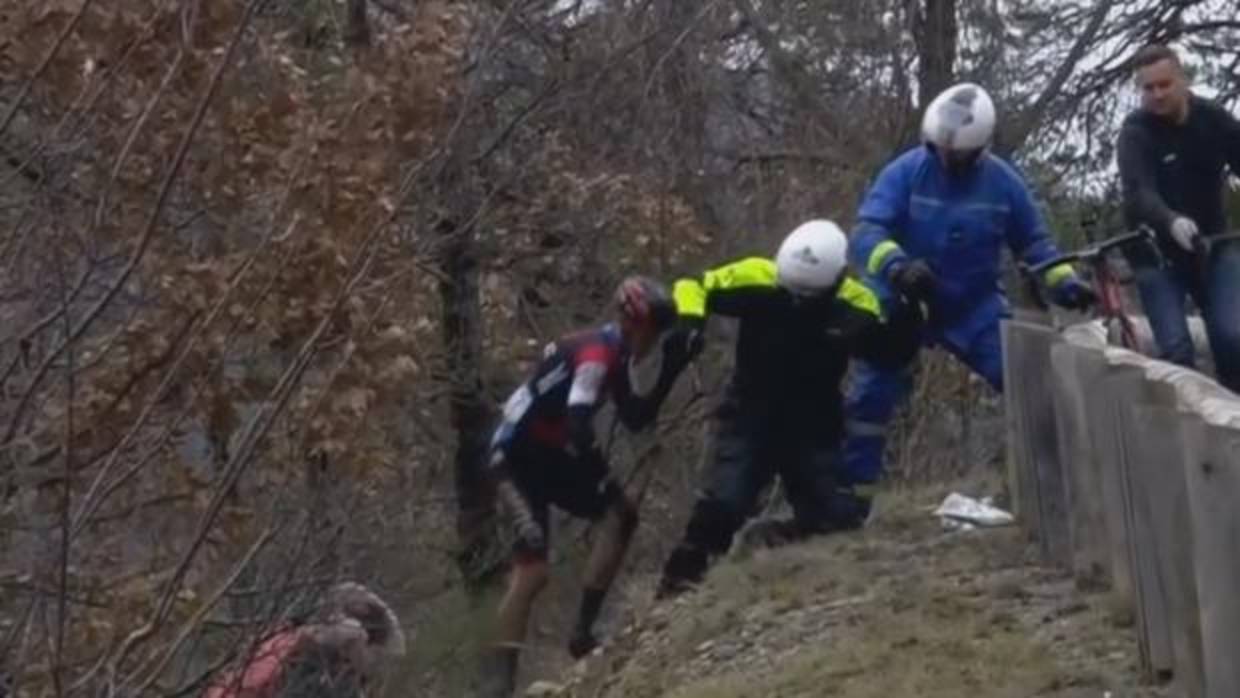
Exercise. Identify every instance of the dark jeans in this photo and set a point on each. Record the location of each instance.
(1163, 291)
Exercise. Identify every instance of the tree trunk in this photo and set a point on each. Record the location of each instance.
(357, 28)
(936, 33)
(469, 412)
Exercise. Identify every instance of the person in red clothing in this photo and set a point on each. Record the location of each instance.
(544, 453)
(332, 657)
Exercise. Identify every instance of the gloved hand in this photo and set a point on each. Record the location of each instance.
(914, 279)
(1073, 294)
(524, 524)
(687, 340)
(1184, 231)
(529, 532)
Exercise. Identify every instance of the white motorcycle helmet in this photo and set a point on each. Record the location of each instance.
(960, 123)
(811, 260)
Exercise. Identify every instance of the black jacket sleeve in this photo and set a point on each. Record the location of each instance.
(894, 341)
(1229, 132)
(1137, 162)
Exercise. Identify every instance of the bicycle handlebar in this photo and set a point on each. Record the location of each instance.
(1203, 242)
(1092, 252)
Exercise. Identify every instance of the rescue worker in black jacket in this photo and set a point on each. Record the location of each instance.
(801, 320)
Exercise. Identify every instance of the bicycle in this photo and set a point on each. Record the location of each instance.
(1106, 284)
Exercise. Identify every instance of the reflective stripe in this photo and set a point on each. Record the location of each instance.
(857, 427)
(1056, 274)
(881, 252)
(690, 298)
(926, 200)
(865, 490)
(985, 206)
(748, 272)
(690, 295)
(859, 296)
(962, 205)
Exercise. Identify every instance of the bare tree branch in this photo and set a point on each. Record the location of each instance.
(47, 60)
(1033, 116)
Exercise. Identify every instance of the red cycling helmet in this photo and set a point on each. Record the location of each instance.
(644, 300)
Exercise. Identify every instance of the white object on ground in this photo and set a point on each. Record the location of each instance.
(960, 511)
(544, 689)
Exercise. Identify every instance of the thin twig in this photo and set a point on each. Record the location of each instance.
(47, 60)
(90, 503)
(67, 492)
(195, 621)
(259, 425)
(152, 222)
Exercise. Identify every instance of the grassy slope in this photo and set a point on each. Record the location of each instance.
(901, 609)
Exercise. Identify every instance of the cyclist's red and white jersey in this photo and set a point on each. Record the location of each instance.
(578, 371)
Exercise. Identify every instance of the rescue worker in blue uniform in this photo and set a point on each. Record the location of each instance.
(932, 228)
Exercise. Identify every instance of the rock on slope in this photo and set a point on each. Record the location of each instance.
(900, 609)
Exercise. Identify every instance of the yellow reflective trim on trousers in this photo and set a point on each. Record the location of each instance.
(690, 298)
(1057, 273)
(865, 491)
(881, 252)
(857, 295)
(858, 427)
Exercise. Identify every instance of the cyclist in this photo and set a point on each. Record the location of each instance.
(1172, 151)
(932, 227)
(334, 656)
(544, 452)
(801, 320)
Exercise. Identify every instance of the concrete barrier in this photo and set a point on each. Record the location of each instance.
(1127, 471)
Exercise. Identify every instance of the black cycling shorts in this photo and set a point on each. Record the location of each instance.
(547, 476)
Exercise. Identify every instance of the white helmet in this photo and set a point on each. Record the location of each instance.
(812, 258)
(962, 117)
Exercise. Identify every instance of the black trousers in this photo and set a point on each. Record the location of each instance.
(750, 447)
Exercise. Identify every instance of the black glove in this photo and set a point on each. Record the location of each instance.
(684, 343)
(914, 279)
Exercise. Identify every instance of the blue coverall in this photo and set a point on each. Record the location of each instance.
(957, 224)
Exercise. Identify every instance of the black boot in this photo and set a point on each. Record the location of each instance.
(583, 641)
(684, 570)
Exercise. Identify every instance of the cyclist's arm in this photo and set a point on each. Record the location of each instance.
(1027, 234)
(638, 411)
(1137, 167)
(871, 247)
(589, 378)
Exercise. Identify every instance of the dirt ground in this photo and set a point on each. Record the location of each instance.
(902, 608)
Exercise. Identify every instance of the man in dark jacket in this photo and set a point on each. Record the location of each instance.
(1172, 156)
(801, 321)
